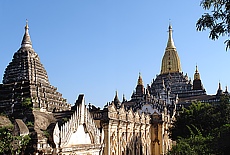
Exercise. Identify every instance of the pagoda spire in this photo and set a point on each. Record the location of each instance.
(226, 89)
(170, 43)
(116, 99)
(140, 81)
(26, 41)
(219, 87)
(196, 75)
(171, 61)
(219, 91)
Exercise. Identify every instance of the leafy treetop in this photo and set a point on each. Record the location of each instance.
(217, 20)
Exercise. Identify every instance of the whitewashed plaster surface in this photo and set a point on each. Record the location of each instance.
(79, 137)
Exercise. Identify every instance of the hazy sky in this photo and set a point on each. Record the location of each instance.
(96, 47)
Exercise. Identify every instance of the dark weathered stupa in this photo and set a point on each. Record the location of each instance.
(26, 77)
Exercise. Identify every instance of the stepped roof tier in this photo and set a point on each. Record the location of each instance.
(176, 83)
(26, 65)
(171, 76)
(26, 77)
(170, 87)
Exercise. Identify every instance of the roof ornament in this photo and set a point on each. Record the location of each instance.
(226, 89)
(140, 81)
(116, 99)
(27, 24)
(219, 86)
(124, 99)
(196, 69)
(196, 75)
(26, 41)
(219, 91)
(170, 43)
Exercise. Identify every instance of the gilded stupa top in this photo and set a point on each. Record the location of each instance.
(196, 75)
(171, 60)
(170, 43)
(140, 81)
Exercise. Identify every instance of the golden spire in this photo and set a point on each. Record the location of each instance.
(170, 43)
(140, 81)
(26, 42)
(171, 60)
(196, 75)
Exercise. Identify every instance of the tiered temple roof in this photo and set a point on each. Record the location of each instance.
(26, 77)
(171, 76)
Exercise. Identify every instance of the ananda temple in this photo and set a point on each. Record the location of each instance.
(138, 126)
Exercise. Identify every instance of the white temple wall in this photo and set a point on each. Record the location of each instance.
(79, 137)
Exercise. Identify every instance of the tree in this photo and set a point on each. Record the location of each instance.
(217, 20)
(221, 143)
(197, 115)
(204, 127)
(196, 144)
(204, 116)
(6, 139)
(10, 144)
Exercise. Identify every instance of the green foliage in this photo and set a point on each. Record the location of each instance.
(6, 139)
(3, 114)
(27, 103)
(217, 20)
(9, 127)
(46, 134)
(30, 124)
(196, 144)
(205, 117)
(10, 144)
(196, 115)
(24, 140)
(65, 119)
(221, 142)
(202, 128)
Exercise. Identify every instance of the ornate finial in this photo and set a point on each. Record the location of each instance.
(196, 75)
(196, 69)
(26, 27)
(219, 91)
(170, 43)
(26, 42)
(170, 25)
(116, 99)
(140, 81)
